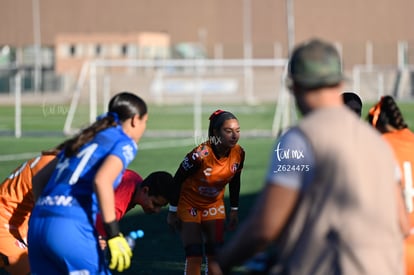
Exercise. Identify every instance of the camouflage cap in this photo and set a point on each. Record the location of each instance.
(315, 64)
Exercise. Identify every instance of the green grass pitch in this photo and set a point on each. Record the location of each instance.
(160, 251)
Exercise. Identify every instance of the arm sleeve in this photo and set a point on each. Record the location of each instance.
(234, 189)
(234, 185)
(188, 166)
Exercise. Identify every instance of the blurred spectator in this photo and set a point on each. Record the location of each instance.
(388, 119)
(318, 203)
(353, 101)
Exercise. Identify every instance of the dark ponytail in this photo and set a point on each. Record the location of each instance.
(121, 107)
(386, 112)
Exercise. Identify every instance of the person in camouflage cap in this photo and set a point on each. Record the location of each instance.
(314, 65)
(321, 205)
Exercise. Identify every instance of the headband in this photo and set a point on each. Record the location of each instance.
(375, 112)
(216, 113)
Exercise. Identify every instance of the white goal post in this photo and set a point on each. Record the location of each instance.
(195, 84)
(374, 81)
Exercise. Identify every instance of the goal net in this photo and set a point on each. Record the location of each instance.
(193, 83)
(374, 81)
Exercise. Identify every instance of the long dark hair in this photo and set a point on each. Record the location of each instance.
(353, 101)
(386, 112)
(122, 106)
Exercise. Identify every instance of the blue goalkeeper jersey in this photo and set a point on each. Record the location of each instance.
(71, 184)
(62, 234)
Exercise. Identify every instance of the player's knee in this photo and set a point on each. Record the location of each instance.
(193, 250)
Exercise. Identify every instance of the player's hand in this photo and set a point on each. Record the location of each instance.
(233, 220)
(173, 221)
(120, 253)
(214, 268)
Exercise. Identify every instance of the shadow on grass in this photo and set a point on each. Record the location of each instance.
(160, 251)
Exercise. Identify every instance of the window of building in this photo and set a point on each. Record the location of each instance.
(98, 50)
(124, 50)
(72, 50)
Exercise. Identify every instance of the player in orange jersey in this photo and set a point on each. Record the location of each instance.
(199, 209)
(16, 205)
(387, 118)
(17, 202)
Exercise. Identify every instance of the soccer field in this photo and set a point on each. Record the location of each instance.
(160, 251)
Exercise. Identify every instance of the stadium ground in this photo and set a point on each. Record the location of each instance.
(168, 139)
(160, 251)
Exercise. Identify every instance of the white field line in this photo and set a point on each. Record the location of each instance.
(142, 146)
(166, 144)
(20, 156)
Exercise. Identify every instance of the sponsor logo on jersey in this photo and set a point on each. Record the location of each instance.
(80, 272)
(186, 164)
(212, 211)
(207, 171)
(192, 211)
(195, 156)
(208, 191)
(128, 153)
(203, 152)
(234, 167)
(55, 200)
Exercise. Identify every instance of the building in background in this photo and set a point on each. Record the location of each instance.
(73, 49)
(372, 35)
(356, 26)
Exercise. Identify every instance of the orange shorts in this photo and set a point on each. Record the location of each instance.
(190, 213)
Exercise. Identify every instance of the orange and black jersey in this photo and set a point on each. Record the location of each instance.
(202, 177)
(402, 143)
(16, 194)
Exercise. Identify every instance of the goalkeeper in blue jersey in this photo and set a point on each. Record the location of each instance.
(71, 190)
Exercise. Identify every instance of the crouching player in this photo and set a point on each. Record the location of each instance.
(17, 202)
(151, 194)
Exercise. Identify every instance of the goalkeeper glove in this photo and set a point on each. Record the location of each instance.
(120, 252)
